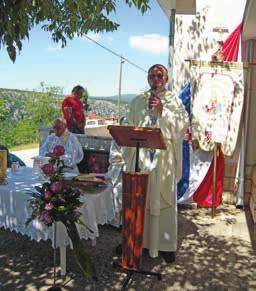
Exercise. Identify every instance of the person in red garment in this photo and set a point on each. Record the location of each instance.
(73, 110)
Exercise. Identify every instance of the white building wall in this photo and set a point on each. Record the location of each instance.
(194, 36)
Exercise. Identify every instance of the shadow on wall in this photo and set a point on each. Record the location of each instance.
(191, 43)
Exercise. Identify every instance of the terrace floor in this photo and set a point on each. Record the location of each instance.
(213, 254)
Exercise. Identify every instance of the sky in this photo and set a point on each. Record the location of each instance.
(143, 39)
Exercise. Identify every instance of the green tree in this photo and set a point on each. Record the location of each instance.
(3, 109)
(42, 108)
(85, 100)
(64, 19)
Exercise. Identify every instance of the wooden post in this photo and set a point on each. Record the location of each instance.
(120, 89)
(215, 155)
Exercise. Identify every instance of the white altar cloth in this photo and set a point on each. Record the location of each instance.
(14, 211)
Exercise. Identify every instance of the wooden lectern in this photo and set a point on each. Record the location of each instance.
(134, 195)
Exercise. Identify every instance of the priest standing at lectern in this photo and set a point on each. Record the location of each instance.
(160, 108)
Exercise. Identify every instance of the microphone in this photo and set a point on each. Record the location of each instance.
(152, 116)
(152, 94)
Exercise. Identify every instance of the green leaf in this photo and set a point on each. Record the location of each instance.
(62, 19)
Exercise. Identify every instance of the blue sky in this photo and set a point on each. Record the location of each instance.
(143, 39)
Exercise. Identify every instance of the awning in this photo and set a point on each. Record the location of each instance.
(181, 6)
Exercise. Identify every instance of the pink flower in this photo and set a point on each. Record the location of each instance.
(58, 151)
(56, 187)
(47, 195)
(48, 206)
(48, 169)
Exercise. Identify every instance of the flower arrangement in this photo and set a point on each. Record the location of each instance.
(56, 201)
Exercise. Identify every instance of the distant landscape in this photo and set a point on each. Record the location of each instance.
(125, 98)
(23, 112)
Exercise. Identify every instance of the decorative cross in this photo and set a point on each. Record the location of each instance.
(218, 56)
(221, 31)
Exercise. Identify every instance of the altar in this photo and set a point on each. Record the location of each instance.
(97, 208)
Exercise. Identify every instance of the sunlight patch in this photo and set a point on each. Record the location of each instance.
(167, 236)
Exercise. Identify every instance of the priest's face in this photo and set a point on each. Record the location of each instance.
(157, 77)
(59, 128)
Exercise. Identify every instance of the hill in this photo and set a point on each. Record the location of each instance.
(13, 103)
(125, 98)
(23, 112)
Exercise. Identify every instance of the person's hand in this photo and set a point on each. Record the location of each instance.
(68, 111)
(155, 103)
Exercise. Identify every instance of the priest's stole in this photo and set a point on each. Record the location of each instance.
(134, 201)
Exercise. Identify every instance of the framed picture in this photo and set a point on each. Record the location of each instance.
(94, 161)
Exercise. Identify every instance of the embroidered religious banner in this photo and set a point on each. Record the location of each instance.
(217, 103)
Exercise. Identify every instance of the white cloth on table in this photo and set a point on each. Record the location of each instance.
(73, 149)
(14, 211)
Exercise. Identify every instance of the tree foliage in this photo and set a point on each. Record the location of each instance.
(41, 108)
(64, 19)
(3, 109)
(85, 100)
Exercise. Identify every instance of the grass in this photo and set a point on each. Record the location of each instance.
(24, 147)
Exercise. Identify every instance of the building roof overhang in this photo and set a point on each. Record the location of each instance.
(181, 6)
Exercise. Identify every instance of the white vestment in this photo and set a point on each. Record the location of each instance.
(160, 225)
(73, 149)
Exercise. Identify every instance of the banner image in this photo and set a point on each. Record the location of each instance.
(217, 105)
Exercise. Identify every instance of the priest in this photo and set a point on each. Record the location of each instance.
(61, 136)
(160, 108)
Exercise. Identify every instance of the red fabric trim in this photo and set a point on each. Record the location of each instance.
(230, 47)
(203, 195)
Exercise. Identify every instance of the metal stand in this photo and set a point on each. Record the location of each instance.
(131, 272)
(137, 169)
(56, 287)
